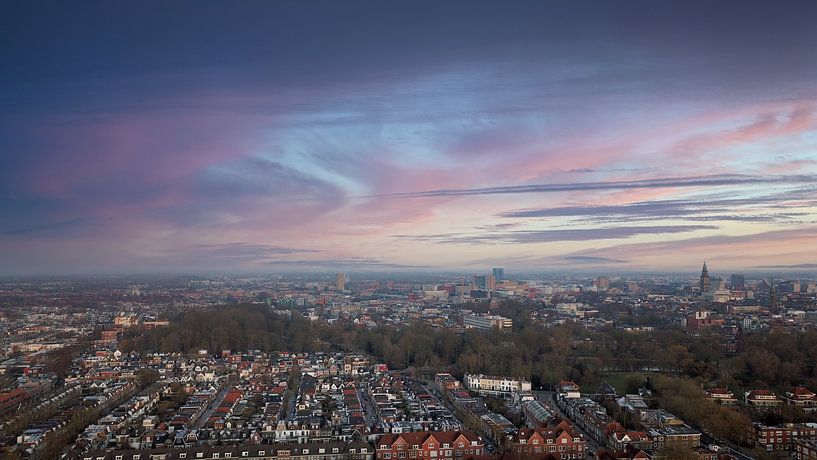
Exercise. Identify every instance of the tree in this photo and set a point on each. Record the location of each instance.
(146, 377)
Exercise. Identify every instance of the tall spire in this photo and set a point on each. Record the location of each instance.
(704, 283)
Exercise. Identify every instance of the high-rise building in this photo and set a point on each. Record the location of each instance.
(490, 283)
(602, 283)
(340, 281)
(738, 283)
(481, 281)
(704, 284)
(499, 274)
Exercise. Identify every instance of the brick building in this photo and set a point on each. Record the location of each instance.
(562, 441)
(437, 444)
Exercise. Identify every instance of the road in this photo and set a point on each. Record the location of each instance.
(730, 447)
(368, 408)
(548, 398)
(213, 405)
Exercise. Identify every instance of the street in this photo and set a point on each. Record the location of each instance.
(213, 405)
(548, 398)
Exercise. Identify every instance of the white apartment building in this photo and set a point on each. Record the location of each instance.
(494, 385)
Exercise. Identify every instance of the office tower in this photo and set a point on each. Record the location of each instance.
(602, 283)
(704, 284)
(499, 274)
(481, 281)
(490, 283)
(738, 283)
(340, 281)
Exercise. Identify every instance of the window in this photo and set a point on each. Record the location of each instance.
(387, 455)
(306, 451)
(261, 453)
(321, 450)
(244, 453)
(415, 447)
(335, 450)
(228, 455)
(215, 455)
(384, 446)
(118, 457)
(183, 455)
(363, 450)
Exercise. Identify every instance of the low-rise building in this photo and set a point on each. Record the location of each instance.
(438, 444)
(562, 441)
(801, 397)
(721, 396)
(763, 400)
(495, 385)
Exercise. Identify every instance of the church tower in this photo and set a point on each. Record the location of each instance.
(704, 284)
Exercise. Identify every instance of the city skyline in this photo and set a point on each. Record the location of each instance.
(361, 136)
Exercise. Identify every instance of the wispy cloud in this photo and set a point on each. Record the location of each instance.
(792, 267)
(360, 263)
(677, 182)
(762, 209)
(48, 228)
(549, 236)
(592, 260)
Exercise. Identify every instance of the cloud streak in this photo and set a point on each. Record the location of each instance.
(677, 182)
(551, 236)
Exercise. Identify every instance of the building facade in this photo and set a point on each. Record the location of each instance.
(438, 444)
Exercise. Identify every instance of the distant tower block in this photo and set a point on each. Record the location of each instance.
(499, 274)
(340, 281)
(705, 288)
(602, 283)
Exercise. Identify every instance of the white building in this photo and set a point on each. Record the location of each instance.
(495, 385)
(486, 322)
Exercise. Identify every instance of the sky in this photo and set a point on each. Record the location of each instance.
(366, 135)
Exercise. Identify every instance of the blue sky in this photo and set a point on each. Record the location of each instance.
(274, 136)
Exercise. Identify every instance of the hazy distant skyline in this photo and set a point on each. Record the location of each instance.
(271, 136)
